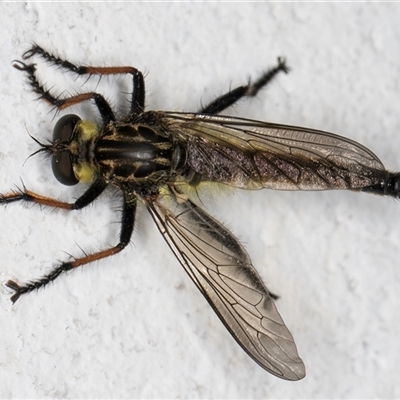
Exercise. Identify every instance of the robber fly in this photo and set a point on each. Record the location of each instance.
(156, 157)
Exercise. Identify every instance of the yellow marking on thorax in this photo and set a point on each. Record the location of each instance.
(84, 172)
(87, 130)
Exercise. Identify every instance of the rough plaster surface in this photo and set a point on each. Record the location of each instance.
(134, 326)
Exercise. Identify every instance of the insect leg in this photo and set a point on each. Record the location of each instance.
(104, 108)
(249, 90)
(127, 221)
(95, 189)
(138, 90)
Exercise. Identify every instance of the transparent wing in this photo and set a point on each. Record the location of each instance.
(221, 268)
(253, 155)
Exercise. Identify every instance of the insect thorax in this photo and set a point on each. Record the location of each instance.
(131, 153)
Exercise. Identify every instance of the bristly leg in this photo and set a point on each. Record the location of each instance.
(102, 105)
(95, 189)
(127, 225)
(138, 91)
(34, 285)
(250, 90)
(91, 194)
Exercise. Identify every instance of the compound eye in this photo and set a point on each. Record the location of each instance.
(64, 128)
(62, 160)
(63, 169)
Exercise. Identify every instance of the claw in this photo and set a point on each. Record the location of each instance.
(14, 286)
(19, 65)
(31, 68)
(30, 53)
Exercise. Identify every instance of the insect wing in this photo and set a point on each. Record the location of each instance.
(222, 270)
(254, 155)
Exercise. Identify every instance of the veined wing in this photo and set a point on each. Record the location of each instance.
(222, 270)
(253, 155)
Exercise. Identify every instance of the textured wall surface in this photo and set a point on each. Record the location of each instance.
(134, 325)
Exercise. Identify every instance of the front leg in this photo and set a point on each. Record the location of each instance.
(138, 86)
(60, 103)
(94, 191)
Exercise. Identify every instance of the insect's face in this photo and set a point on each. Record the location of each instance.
(72, 138)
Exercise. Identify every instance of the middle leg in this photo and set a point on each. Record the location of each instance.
(127, 222)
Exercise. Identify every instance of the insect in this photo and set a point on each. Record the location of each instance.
(157, 157)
